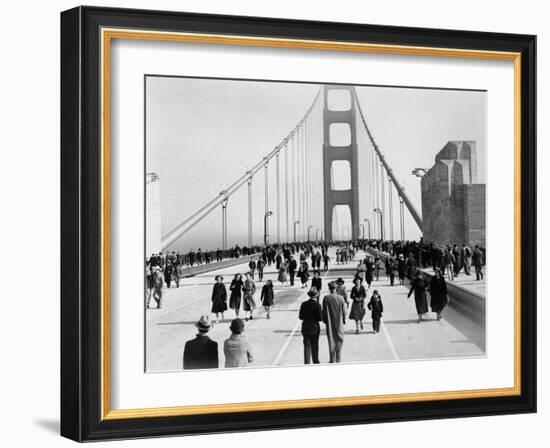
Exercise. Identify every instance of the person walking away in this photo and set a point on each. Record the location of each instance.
(267, 297)
(252, 266)
(201, 352)
(316, 281)
(477, 261)
(158, 286)
(249, 288)
(418, 286)
(283, 266)
(334, 317)
(376, 307)
(219, 297)
(358, 296)
(292, 265)
(438, 293)
(236, 294)
(260, 266)
(310, 315)
(237, 349)
(341, 290)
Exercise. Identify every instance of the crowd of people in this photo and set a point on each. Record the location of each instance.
(305, 261)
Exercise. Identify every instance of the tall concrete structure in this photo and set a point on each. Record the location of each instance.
(152, 214)
(345, 121)
(453, 199)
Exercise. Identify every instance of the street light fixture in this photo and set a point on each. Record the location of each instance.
(266, 236)
(379, 211)
(419, 172)
(367, 220)
(295, 224)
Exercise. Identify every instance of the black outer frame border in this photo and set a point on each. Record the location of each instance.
(80, 224)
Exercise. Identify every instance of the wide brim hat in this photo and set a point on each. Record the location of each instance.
(340, 281)
(203, 324)
(217, 277)
(313, 292)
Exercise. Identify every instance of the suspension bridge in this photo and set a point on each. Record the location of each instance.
(332, 183)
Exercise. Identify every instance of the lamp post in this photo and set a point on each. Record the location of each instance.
(379, 211)
(362, 231)
(419, 172)
(266, 236)
(308, 229)
(367, 220)
(295, 224)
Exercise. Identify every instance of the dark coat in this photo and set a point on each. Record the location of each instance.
(477, 258)
(376, 308)
(236, 294)
(418, 286)
(267, 295)
(317, 282)
(310, 315)
(438, 293)
(200, 353)
(219, 298)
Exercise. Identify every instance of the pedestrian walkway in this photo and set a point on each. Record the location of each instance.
(278, 341)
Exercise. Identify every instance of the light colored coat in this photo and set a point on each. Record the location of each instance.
(237, 351)
(334, 317)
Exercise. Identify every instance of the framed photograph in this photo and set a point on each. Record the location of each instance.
(274, 223)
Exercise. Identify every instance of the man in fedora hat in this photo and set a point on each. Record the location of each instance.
(201, 352)
(236, 348)
(310, 315)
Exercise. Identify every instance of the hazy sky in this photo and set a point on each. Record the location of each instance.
(202, 134)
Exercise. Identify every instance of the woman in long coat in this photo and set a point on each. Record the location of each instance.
(219, 297)
(438, 293)
(401, 267)
(249, 288)
(236, 293)
(358, 296)
(303, 273)
(369, 268)
(267, 297)
(282, 273)
(419, 287)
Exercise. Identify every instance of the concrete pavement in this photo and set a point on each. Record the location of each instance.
(278, 341)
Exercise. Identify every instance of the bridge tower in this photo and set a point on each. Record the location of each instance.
(345, 119)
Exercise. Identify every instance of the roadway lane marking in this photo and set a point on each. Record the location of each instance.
(287, 343)
(390, 342)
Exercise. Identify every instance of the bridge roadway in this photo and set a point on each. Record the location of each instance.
(278, 341)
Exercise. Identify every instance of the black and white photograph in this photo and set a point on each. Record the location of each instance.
(291, 223)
